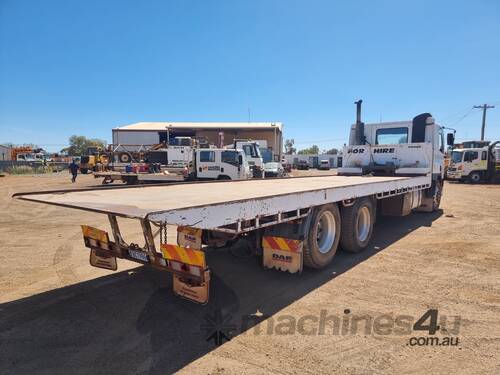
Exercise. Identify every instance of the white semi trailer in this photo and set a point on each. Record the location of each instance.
(292, 221)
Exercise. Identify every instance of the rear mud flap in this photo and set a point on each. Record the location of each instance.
(101, 259)
(98, 242)
(283, 254)
(195, 292)
(188, 256)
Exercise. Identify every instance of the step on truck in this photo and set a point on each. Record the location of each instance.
(390, 168)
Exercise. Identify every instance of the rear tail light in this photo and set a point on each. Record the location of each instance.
(185, 268)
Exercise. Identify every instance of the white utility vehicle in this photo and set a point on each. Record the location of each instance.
(475, 164)
(30, 156)
(389, 168)
(324, 165)
(220, 164)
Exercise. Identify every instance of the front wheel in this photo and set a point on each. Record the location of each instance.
(357, 225)
(475, 177)
(323, 238)
(436, 197)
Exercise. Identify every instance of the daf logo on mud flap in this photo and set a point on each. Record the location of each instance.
(355, 150)
(386, 150)
(283, 258)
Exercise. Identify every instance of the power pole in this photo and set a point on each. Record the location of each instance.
(484, 107)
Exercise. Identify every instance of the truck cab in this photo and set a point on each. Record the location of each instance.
(403, 148)
(221, 164)
(252, 154)
(474, 164)
(396, 148)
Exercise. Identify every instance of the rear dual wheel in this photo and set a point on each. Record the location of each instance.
(352, 228)
(357, 225)
(323, 238)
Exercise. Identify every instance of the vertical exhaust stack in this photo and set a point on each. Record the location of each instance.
(360, 126)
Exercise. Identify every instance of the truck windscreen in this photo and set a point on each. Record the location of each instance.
(456, 156)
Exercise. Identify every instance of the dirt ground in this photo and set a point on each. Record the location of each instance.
(58, 315)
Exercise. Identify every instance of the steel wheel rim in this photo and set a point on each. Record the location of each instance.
(363, 223)
(325, 232)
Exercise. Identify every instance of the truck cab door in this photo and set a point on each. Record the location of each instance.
(207, 165)
(439, 149)
(229, 164)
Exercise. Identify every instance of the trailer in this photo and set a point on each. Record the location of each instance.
(139, 178)
(290, 222)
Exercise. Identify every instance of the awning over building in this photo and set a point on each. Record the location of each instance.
(161, 126)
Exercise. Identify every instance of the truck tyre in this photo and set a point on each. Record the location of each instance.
(124, 157)
(475, 177)
(130, 180)
(223, 177)
(84, 170)
(323, 236)
(357, 225)
(436, 197)
(258, 173)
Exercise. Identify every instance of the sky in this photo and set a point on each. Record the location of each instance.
(84, 66)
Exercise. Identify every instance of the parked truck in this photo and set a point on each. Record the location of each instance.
(253, 155)
(390, 168)
(475, 164)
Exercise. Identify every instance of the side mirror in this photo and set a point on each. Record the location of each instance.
(240, 159)
(450, 139)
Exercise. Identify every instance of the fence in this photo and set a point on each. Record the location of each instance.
(12, 166)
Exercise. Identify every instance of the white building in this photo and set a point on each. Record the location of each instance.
(5, 152)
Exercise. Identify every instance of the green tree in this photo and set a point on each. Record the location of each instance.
(78, 145)
(289, 149)
(311, 150)
(332, 151)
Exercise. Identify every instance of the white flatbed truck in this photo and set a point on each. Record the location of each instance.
(292, 221)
